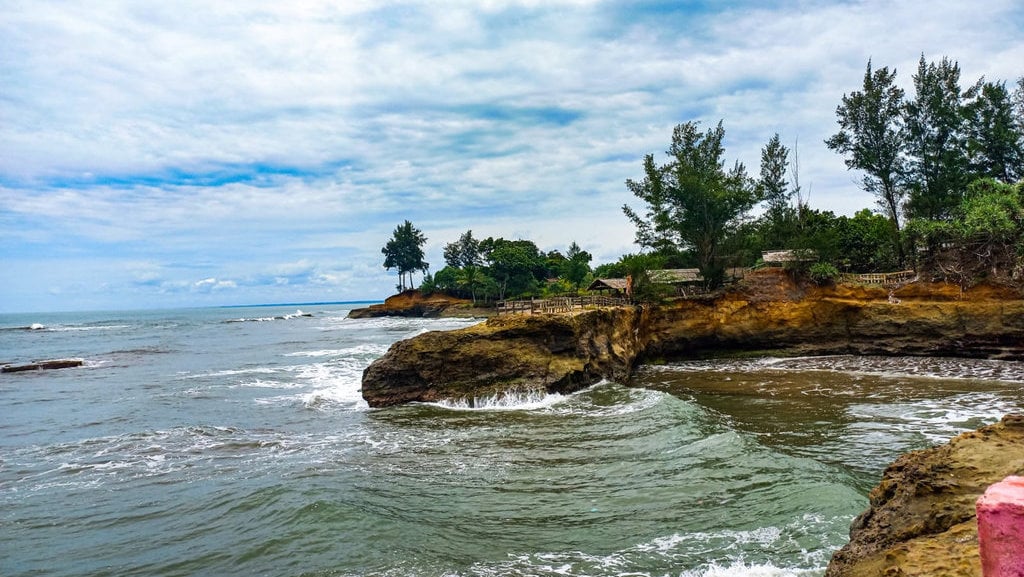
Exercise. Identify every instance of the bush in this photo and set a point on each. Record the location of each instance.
(823, 273)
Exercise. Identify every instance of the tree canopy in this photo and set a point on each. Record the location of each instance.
(692, 201)
(405, 252)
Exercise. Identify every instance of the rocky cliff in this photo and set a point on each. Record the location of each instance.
(768, 312)
(553, 353)
(413, 303)
(921, 518)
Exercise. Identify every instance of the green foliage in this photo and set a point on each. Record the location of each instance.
(872, 138)
(995, 136)
(864, 243)
(463, 252)
(635, 267)
(576, 266)
(405, 252)
(936, 141)
(823, 273)
(692, 202)
(517, 266)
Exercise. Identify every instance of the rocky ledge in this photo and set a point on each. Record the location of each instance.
(921, 518)
(768, 312)
(513, 353)
(413, 303)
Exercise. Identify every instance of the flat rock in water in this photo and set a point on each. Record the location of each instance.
(43, 365)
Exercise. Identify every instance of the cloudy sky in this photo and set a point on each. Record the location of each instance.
(164, 154)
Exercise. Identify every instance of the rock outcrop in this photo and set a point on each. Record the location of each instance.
(413, 303)
(768, 312)
(921, 519)
(43, 365)
(554, 353)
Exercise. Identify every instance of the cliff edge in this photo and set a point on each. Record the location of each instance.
(768, 313)
(921, 518)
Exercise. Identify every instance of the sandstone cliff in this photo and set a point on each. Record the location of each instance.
(413, 303)
(921, 519)
(554, 353)
(769, 312)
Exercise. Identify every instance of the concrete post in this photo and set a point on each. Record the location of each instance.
(1001, 528)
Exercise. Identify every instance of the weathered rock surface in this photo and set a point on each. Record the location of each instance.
(921, 519)
(769, 312)
(43, 365)
(556, 353)
(412, 303)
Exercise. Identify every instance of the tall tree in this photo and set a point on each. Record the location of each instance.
(514, 265)
(871, 137)
(775, 191)
(405, 252)
(692, 200)
(936, 141)
(463, 252)
(576, 265)
(995, 139)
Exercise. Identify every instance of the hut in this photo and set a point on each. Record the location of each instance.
(784, 257)
(617, 286)
(683, 280)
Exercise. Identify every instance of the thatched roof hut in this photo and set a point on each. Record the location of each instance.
(617, 285)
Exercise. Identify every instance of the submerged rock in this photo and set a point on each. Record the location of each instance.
(43, 365)
(921, 518)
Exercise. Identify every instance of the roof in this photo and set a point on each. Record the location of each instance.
(675, 275)
(804, 255)
(618, 284)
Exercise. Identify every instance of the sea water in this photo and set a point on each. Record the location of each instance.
(234, 441)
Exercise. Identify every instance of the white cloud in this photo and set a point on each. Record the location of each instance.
(277, 144)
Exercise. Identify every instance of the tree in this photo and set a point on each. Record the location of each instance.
(776, 193)
(995, 138)
(463, 252)
(936, 141)
(692, 201)
(576, 265)
(514, 265)
(405, 252)
(871, 136)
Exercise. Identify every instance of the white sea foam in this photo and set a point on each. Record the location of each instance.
(741, 569)
(514, 400)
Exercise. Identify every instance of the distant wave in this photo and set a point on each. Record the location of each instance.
(287, 317)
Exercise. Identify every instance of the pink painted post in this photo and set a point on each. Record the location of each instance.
(1001, 528)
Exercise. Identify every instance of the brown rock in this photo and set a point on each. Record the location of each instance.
(43, 365)
(555, 353)
(412, 303)
(769, 313)
(921, 519)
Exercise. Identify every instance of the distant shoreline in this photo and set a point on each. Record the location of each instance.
(311, 304)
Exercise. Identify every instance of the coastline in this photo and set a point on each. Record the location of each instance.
(767, 312)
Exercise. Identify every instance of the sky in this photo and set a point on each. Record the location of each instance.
(171, 154)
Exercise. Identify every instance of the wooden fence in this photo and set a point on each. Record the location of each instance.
(887, 278)
(559, 304)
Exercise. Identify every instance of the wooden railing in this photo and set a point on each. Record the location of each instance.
(559, 304)
(887, 278)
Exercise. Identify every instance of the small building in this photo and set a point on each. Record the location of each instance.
(615, 285)
(784, 257)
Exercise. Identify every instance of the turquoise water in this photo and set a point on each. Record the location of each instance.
(235, 442)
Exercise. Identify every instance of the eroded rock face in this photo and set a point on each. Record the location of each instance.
(921, 519)
(556, 353)
(412, 303)
(768, 313)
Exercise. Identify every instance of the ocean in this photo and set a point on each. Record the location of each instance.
(234, 441)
